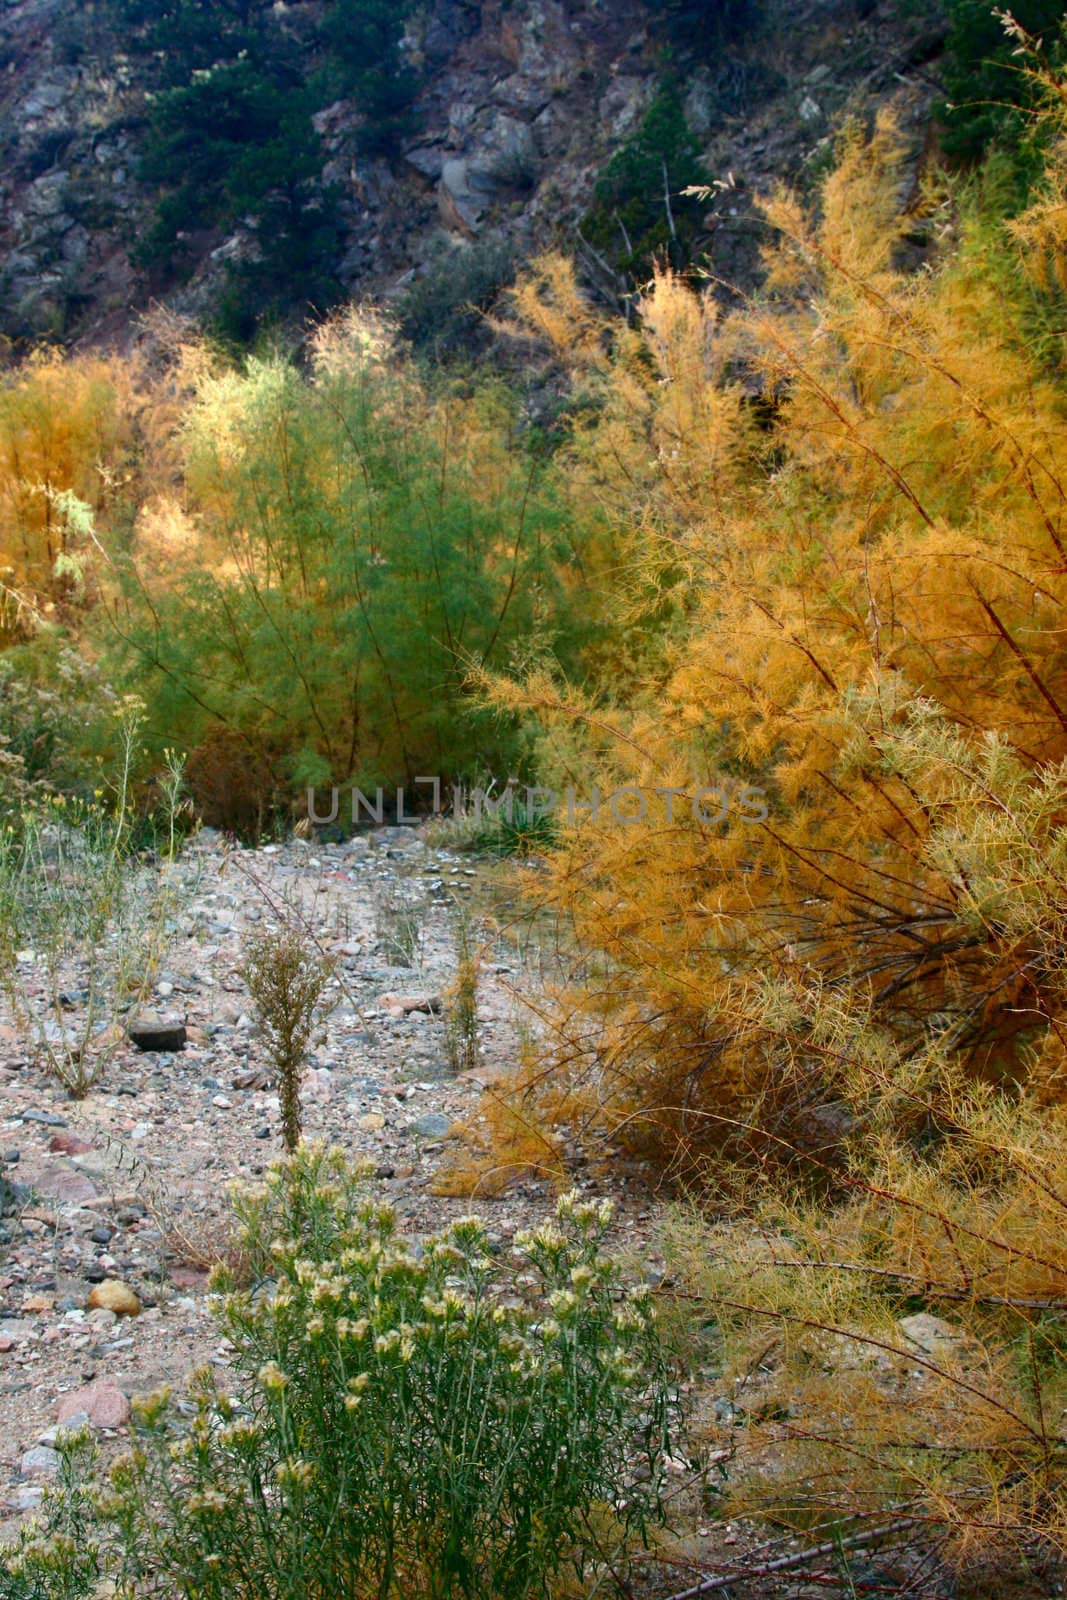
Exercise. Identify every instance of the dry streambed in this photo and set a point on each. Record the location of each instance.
(118, 1202)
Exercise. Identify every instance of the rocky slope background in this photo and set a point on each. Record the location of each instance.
(245, 162)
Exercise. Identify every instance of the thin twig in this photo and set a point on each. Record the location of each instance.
(856, 1541)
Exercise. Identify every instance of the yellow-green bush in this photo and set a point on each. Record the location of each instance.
(349, 546)
(434, 1422)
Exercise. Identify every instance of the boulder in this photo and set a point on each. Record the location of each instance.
(151, 1031)
(432, 1125)
(40, 1462)
(935, 1339)
(64, 1185)
(428, 159)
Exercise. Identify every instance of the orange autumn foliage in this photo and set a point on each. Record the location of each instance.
(67, 447)
(844, 1025)
(854, 493)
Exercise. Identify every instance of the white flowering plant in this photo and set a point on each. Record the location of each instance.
(57, 1554)
(420, 1418)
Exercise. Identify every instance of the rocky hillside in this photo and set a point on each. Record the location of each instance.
(519, 108)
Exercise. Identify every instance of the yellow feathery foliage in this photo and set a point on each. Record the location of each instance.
(551, 305)
(66, 437)
(901, 1355)
(823, 973)
(855, 495)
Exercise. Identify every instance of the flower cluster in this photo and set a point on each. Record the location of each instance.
(459, 1408)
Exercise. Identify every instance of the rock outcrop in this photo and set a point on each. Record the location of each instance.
(521, 106)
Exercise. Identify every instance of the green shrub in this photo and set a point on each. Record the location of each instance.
(55, 723)
(498, 829)
(640, 211)
(231, 137)
(364, 545)
(430, 1420)
(442, 312)
(237, 143)
(229, 120)
(989, 92)
(184, 36)
(223, 143)
(366, 62)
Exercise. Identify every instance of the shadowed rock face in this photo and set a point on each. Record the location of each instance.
(521, 105)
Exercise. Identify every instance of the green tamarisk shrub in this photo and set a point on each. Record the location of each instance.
(361, 545)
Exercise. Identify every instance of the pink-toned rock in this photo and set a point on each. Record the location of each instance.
(63, 1184)
(104, 1403)
(68, 1144)
(188, 1277)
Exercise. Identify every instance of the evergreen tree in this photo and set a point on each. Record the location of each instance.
(990, 93)
(640, 212)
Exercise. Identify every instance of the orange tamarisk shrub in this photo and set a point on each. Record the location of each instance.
(67, 445)
(847, 1021)
(855, 496)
